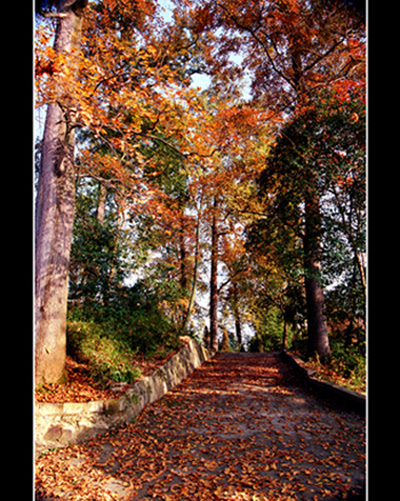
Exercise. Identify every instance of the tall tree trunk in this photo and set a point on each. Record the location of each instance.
(349, 233)
(184, 279)
(214, 279)
(100, 276)
(194, 280)
(284, 336)
(101, 204)
(236, 314)
(318, 341)
(54, 214)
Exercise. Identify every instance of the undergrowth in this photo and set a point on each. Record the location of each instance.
(108, 341)
(346, 366)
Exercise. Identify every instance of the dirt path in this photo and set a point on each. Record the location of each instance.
(242, 427)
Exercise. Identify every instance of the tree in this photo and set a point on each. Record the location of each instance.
(55, 206)
(313, 155)
(195, 273)
(96, 262)
(292, 49)
(113, 78)
(181, 166)
(214, 277)
(222, 179)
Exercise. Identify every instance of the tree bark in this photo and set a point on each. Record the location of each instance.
(54, 215)
(236, 314)
(284, 336)
(101, 204)
(318, 341)
(214, 279)
(194, 280)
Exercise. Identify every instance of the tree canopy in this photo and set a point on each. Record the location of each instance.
(236, 207)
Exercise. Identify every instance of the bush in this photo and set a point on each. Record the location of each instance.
(350, 363)
(107, 339)
(346, 366)
(107, 357)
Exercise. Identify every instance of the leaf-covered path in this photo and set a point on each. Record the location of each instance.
(242, 427)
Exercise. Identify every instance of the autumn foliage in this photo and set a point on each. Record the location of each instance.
(242, 201)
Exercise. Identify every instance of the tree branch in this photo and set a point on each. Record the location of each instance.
(166, 143)
(261, 43)
(323, 56)
(56, 15)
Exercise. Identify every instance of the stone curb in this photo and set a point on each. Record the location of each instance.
(60, 425)
(348, 398)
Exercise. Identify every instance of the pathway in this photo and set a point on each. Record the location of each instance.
(241, 427)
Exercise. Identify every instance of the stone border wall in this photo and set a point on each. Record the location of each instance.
(343, 396)
(60, 425)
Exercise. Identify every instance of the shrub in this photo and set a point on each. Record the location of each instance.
(107, 356)
(108, 339)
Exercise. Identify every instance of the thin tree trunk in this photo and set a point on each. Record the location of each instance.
(99, 275)
(54, 216)
(284, 337)
(318, 341)
(348, 231)
(236, 314)
(194, 281)
(182, 255)
(214, 279)
(101, 204)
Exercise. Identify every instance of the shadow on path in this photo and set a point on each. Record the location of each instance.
(241, 427)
